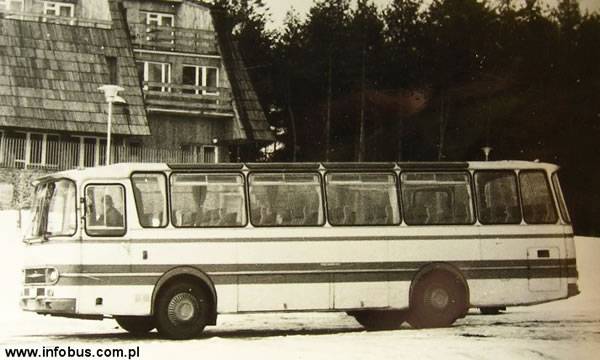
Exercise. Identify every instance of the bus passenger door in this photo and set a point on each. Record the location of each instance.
(105, 251)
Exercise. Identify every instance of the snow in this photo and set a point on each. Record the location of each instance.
(568, 329)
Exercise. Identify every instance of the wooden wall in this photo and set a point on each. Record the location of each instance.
(174, 130)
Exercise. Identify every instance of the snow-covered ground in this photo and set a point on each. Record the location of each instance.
(568, 329)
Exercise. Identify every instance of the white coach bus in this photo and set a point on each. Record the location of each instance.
(171, 246)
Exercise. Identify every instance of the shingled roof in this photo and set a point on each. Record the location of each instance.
(251, 114)
(50, 74)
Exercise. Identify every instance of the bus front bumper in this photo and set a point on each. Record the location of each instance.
(43, 305)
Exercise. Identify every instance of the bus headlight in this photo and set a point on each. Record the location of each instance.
(52, 276)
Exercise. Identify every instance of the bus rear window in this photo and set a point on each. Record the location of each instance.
(285, 199)
(207, 200)
(362, 199)
(497, 197)
(431, 198)
(538, 205)
(561, 199)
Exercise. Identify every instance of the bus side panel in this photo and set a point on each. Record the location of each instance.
(115, 299)
(523, 265)
(172, 248)
(571, 268)
(418, 246)
(318, 274)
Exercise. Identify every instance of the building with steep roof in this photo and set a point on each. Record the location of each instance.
(186, 89)
(197, 91)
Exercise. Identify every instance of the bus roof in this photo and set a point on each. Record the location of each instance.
(124, 170)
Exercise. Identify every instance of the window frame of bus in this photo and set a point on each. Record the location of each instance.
(167, 198)
(560, 198)
(106, 233)
(54, 180)
(515, 174)
(471, 186)
(396, 187)
(321, 187)
(548, 187)
(170, 196)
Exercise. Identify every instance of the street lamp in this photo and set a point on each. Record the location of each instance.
(486, 151)
(110, 93)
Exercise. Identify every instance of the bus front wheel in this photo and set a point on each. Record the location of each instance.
(380, 320)
(137, 325)
(182, 311)
(437, 300)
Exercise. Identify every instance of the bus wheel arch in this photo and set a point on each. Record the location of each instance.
(439, 295)
(187, 274)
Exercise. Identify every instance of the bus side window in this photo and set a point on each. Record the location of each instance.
(105, 212)
(437, 198)
(150, 195)
(497, 197)
(362, 199)
(286, 199)
(538, 205)
(207, 200)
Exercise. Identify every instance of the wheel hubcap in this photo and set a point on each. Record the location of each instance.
(183, 307)
(439, 299)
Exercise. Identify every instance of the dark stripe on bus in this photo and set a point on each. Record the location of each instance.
(315, 273)
(404, 265)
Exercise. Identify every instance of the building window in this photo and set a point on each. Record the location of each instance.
(12, 5)
(160, 19)
(209, 154)
(91, 151)
(55, 8)
(201, 76)
(155, 75)
(33, 149)
(201, 153)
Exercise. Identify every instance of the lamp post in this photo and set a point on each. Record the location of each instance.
(486, 151)
(110, 93)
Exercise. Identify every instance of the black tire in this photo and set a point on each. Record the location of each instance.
(380, 320)
(491, 310)
(437, 300)
(182, 311)
(137, 325)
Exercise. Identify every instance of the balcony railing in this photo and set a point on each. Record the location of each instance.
(62, 20)
(200, 99)
(63, 155)
(173, 39)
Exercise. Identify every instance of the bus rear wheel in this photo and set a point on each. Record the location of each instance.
(137, 325)
(437, 300)
(182, 311)
(380, 320)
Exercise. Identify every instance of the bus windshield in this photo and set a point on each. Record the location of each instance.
(54, 210)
